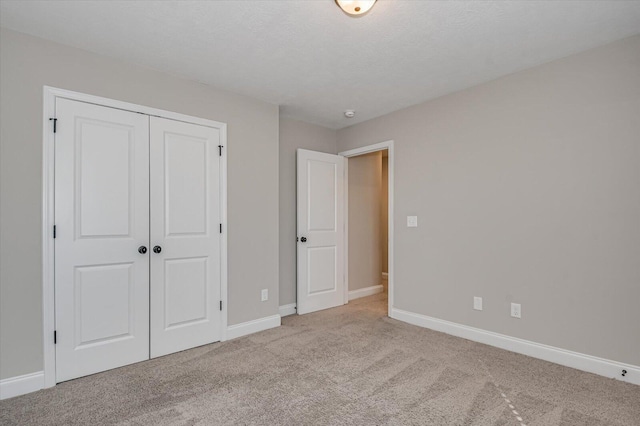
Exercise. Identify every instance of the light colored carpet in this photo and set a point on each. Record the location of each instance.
(348, 365)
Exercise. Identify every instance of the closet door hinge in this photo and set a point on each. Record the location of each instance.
(55, 124)
(221, 305)
(220, 150)
(54, 231)
(55, 337)
(221, 228)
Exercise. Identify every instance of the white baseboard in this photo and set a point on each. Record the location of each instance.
(364, 292)
(579, 361)
(286, 310)
(19, 385)
(250, 327)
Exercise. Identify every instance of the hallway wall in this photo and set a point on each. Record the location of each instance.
(384, 215)
(365, 197)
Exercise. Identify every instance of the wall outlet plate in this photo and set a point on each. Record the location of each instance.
(265, 295)
(412, 221)
(516, 310)
(477, 303)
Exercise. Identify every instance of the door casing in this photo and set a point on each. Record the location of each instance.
(48, 208)
(388, 145)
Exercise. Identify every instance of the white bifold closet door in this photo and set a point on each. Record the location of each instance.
(185, 221)
(137, 247)
(102, 219)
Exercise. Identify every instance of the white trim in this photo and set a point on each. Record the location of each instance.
(381, 146)
(345, 236)
(20, 385)
(254, 326)
(113, 103)
(579, 361)
(48, 250)
(388, 145)
(286, 310)
(364, 292)
(224, 263)
(48, 278)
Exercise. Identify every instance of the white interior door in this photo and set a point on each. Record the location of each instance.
(102, 219)
(185, 236)
(320, 231)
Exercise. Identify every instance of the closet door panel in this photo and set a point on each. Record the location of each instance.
(102, 219)
(185, 236)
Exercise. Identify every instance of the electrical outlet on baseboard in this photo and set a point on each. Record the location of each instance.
(265, 294)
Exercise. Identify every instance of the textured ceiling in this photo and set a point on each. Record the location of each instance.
(315, 61)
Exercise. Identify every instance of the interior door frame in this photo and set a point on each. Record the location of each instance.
(48, 208)
(388, 145)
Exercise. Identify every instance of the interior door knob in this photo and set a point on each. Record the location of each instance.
(303, 239)
(142, 249)
(157, 249)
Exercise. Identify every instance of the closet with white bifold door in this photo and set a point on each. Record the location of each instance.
(137, 237)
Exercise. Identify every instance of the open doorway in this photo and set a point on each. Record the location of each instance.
(367, 215)
(323, 229)
(369, 222)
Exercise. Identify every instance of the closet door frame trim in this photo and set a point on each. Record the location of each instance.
(48, 208)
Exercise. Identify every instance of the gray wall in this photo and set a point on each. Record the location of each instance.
(527, 189)
(365, 197)
(28, 63)
(293, 135)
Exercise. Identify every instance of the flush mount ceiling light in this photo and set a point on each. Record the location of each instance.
(355, 7)
(349, 113)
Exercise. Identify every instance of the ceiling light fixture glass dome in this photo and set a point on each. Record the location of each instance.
(355, 7)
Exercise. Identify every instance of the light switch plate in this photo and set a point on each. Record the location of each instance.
(516, 310)
(477, 303)
(412, 221)
(265, 295)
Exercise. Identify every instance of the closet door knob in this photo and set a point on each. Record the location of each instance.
(303, 239)
(157, 249)
(142, 249)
